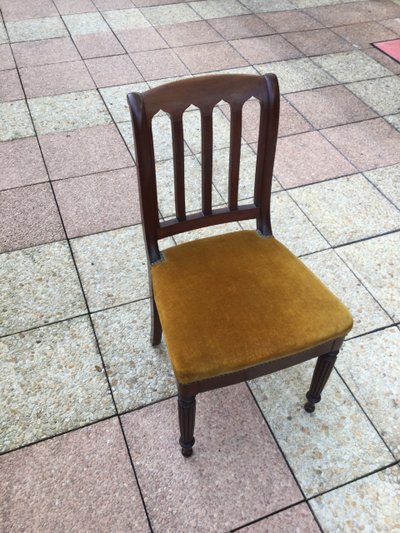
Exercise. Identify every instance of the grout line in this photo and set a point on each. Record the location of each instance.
(257, 520)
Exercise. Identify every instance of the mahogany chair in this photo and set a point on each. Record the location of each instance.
(239, 305)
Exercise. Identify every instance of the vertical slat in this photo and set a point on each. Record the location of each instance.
(234, 156)
(206, 159)
(179, 167)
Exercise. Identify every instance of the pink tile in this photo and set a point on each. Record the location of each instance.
(264, 49)
(365, 33)
(21, 163)
(157, 64)
(113, 70)
(45, 52)
(82, 202)
(368, 144)
(297, 519)
(141, 39)
(58, 78)
(339, 15)
(6, 58)
(390, 48)
(80, 481)
(98, 45)
(69, 7)
(318, 42)
(290, 121)
(84, 151)
(236, 473)
(28, 217)
(21, 9)
(308, 158)
(210, 57)
(240, 27)
(188, 33)
(330, 106)
(284, 21)
(10, 86)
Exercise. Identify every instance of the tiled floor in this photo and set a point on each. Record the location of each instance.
(88, 429)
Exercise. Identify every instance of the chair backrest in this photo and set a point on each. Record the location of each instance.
(205, 93)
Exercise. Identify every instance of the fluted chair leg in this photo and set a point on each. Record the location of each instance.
(187, 415)
(156, 329)
(322, 371)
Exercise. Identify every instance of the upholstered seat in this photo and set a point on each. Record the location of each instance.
(237, 300)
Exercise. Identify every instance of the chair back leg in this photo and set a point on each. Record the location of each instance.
(322, 371)
(187, 415)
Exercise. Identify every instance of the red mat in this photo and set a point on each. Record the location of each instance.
(390, 48)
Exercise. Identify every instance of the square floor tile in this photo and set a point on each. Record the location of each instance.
(98, 45)
(347, 209)
(315, 42)
(15, 122)
(113, 70)
(10, 86)
(347, 445)
(285, 21)
(210, 9)
(240, 27)
(209, 57)
(368, 144)
(234, 449)
(383, 94)
(139, 373)
(339, 15)
(361, 366)
(290, 121)
(156, 64)
(192, 130)
(108, 5)
(67, 112)
(298, 518)
(297, 75)
(53, 382)
(260, 6)
(69, 7)
(44, 52)
(35, 29)
(189, 33)
(291, 226)
(116, 99)
(268, 48)
(85, 23)
(171, 14)
(365, 33)
(125, 19)
(375, 262)
(59, 78)
(369, 503)
(367, 313)
(6, 57)
(20, 10)
(387, 181)
(88, 469)
(141, 39)
(307, 158)
(29, 217)
(85, 151)
(82, 202)
(21, 163)
(351, 66)
(39, 286)
(330, 106)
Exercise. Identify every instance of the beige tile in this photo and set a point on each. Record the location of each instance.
(375, 262)
(206, 232)
(383, 94)
(35, 29)
(351, 66)
(192, 130)
(333, 445)
(116, 99)
(210, 9)
(394, 120)
(171, 14)
(85, 24)
(15, 122)
(139, 373)
(125, 19)
(387, 180)
(260, 6)
(52, 381)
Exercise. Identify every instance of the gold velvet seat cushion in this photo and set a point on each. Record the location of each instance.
(238, 300)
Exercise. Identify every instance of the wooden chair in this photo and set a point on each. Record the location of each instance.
(239, 305)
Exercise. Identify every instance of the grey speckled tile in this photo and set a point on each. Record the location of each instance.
(394, 120)
(291, 226)
(376, 263)
(347, 209)
(15, 122)
(351, 66)
(36, 29)
(139, 373)
(52, 381)
(86, 23)
(387, 179)
(333, 445)
(68, 112)
(367, 313)
(370, 366)
(210, 9)
(171, 14)
(116, 99)
(3, 33)
(207, 232)
(383, 94)
(369, 505)
(125, 19)
(260, 6)
(192, 130)
(297, 75)
(39, 285)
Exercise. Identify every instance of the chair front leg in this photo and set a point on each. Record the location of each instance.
(187, 415)
(322, 371)
(156, 329)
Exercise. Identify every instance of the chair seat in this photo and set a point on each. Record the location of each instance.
(237, 300)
